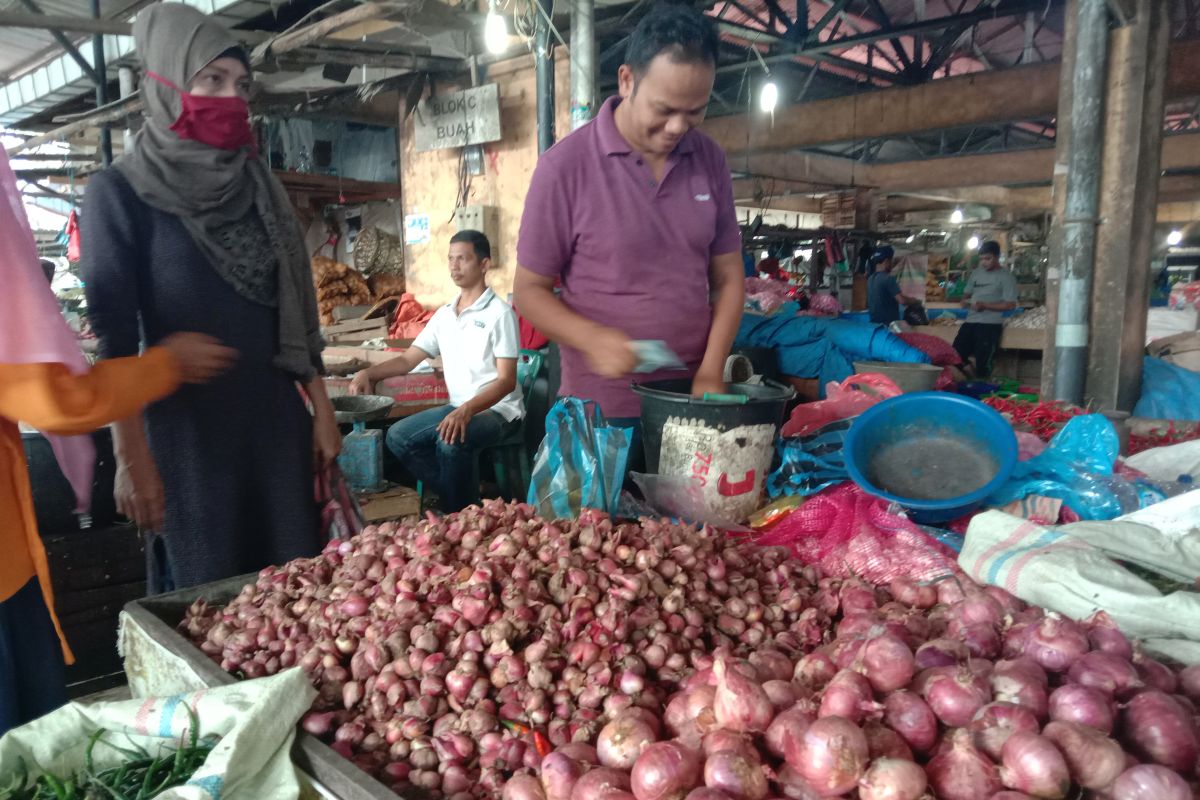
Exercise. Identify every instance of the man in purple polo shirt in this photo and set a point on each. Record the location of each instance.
(634, 214)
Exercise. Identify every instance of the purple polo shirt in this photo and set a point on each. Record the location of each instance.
(632, 254)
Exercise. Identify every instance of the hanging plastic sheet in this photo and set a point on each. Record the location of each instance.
(581, 463)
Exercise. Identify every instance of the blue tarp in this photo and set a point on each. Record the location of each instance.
(1168, 391)
(823, 348)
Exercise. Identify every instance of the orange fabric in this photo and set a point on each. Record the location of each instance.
(411, 318)
(51, 398)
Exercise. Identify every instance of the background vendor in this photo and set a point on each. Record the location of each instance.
(476, 336)
(990, 291)
(884, 297)
(634, 212)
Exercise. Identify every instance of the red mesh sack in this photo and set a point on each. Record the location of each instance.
(940, 352)
(844, 531)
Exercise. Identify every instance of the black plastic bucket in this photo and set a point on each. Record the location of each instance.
(662, 400)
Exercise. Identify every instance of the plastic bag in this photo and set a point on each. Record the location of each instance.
(675, 496)
(341, 516)
(845, 531)
(1077, 467)
(1168, 392)
(810, 464)
(580, 464)
(849, 398)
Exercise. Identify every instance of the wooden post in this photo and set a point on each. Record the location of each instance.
(1133, 134)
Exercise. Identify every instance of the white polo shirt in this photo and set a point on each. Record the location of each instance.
(469, 344)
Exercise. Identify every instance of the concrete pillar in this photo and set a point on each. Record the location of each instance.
(1133, 133)
(1062, 141)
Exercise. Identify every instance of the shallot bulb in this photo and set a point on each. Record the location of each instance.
(559, 773)
(941, 653)
(1155, 674)
(623, 740)
(848, 695)
(956, 696)
(883, 742)
(1080, 704)
(665, 771)
(832, 756)
(786, 731)
(1150, 782)
(1189, 682)
(1106, 637)
(1112, 675)
(740, 704)
(523, 787)
(892, 779)
(1156, 727)
(912, 718)
(961, 772)
(815, 670)
(603, 782)
(1094, 760)
(1056, 643)
(719, 740)
(911, 593)
(1021, 682)
(1032, 764)
(887, 663)
(996, 722)
(733, 774)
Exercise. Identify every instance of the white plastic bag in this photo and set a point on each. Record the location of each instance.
(255, 720)
(1168, 464)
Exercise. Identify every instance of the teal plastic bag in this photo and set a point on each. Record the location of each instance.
(581, 463)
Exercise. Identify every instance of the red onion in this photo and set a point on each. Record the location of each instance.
(1056, 643)
(912, 718)
(1155, 674)
(911, 593)
(961, 772)
(1080, 704)
(719, 740)
(623, 740)
(524, 787)
(1009, 603)
(941, 653)
(1106, 637)
(832, 755)
(955, 696)
(704, 793)
(1032, 764)
(781, 694)
(740, 704)
(1105, 673)
(772, 665)
(950, 591)
(887, 662)
(883, 742)
(815, 670)
(734, 775)
(559, 774)
(1157, 728)
(1022, 682)
(665, 771)
(794, 787)
(978, 609)
(847, 695)
(1093, 759)
(1009, 794)
(599, 783)
(1189, 682)
(786, 731)
(996, 722)
(892, 779)
(581, 752)
(1150, 782)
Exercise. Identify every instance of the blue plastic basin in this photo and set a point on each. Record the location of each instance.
(955, 427)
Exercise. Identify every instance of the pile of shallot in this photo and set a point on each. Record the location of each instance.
(493, 652)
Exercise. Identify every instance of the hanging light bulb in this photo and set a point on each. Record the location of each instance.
(495, 32)
(973, 243)
(769, 97)
(956, 217)
(1174, 238)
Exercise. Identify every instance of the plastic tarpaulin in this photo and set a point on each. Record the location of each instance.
(1168, 391)
(823, 348)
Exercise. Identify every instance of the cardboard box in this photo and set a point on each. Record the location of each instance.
(394, 503)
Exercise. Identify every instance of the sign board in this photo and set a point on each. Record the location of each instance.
(416, 229)
(458, 119)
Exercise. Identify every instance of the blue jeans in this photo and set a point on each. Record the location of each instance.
(448, 468)
(33, 676)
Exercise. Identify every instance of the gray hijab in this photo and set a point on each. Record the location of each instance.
(210, 189)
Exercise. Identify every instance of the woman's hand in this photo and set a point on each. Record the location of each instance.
(200, 358)
(138, 490)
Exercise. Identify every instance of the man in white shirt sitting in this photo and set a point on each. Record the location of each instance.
(476, 336)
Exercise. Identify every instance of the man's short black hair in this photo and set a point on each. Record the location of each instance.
(48, 269)
(990, 248)
(483, 248)
(682, 32)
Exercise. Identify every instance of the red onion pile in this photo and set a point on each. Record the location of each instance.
(653, 661)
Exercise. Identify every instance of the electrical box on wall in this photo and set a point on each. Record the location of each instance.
(481, 218)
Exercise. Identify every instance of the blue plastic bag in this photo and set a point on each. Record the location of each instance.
(1168, 391)
(1077, 468)
(581, 463)
(811, 463)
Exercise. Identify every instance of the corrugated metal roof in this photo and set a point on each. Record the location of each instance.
(60, 79)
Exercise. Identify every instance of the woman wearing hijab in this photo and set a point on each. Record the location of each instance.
(45, 382)
(191, 231)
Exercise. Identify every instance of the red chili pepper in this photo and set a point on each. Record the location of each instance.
(542, 744)
(515, 727)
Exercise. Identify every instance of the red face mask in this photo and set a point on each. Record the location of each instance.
(220, 122)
